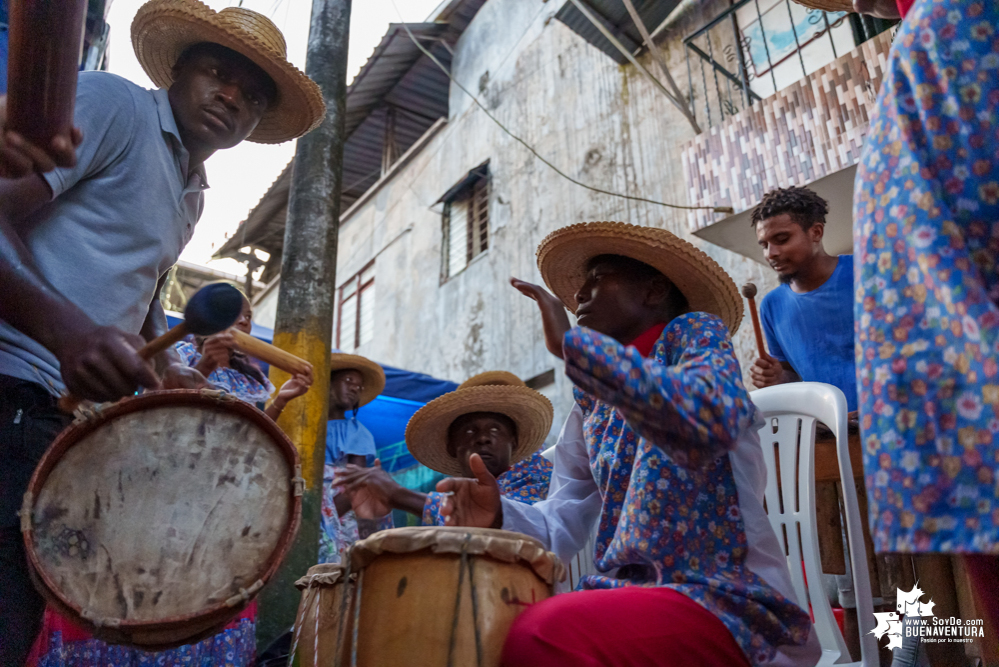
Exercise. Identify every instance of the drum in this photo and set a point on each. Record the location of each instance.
(327, 598)
(156, 520)
(443, 596)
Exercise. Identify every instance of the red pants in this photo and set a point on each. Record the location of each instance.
(623, 627)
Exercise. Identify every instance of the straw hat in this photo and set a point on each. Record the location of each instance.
(564, 254)
(492, 377)
(163, 29)
(374, 376)
(426, 433)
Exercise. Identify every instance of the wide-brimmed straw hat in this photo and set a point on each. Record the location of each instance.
(163, 29)
(372, 373)
(492, 377)
(565, 253)
(829, 5)
(426, 433)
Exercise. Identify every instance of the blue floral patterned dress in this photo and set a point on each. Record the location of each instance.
(926, 245)
(670, 504)
(526, 481)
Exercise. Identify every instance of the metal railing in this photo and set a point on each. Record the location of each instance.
(733, 59)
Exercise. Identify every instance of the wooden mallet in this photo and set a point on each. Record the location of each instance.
(749, 291)
(212, 309)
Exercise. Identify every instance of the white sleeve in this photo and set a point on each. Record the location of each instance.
(562, 522)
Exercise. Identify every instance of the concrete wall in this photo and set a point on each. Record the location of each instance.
(603, 124)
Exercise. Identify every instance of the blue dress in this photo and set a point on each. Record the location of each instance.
(926, 246)
(343, 437)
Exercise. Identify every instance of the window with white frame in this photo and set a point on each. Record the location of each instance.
(356, 310)
(465, 222)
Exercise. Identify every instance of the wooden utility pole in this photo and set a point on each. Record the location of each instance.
(305, 301)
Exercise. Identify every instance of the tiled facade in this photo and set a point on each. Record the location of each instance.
(808, 130)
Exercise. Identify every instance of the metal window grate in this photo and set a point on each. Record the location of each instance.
(755, 48)
(465, 225)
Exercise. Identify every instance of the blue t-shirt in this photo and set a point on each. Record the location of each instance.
(814, 331)
(348, 436)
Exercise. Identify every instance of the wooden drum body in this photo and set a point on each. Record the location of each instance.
(444, 596)
(327, 597)
(156, 520)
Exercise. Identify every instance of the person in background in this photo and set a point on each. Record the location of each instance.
(444, 433)
(354, 382)
(808, 319)
(81, 270)
(230, 370)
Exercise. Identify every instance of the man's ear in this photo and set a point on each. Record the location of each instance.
(816, 232)
(657, 291)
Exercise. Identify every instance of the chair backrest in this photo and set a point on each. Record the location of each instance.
(581, 564)
(788, 441)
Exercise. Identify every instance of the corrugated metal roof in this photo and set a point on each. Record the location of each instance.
(616, 19)
(397, 76)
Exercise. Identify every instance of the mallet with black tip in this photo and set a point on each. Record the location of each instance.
(749, 291)
(212, 309)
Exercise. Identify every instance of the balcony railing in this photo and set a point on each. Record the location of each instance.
(757, 47)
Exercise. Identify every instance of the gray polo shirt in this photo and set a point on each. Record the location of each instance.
(117, 220)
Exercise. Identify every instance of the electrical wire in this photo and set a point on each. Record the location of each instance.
(522, 142)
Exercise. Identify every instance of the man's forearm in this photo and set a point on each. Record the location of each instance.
(29, 302)
(408, 500)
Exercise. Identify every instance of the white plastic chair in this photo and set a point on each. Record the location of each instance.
(788, 441)
(581, 564)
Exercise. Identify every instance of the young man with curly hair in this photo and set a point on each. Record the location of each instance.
(808, 320)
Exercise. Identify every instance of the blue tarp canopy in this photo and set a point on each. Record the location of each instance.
(386, 416)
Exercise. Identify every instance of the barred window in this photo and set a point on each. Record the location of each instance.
(356, 311)
(465, 222)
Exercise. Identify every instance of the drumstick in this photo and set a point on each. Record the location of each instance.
(270, 354)
(44, 58)
(212, 309)
(749, 291)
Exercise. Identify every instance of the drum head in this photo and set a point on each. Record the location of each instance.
(165, 512)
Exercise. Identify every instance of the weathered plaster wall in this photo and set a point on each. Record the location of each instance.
(603, 124)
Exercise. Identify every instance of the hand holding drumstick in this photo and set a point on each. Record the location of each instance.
(766, 371)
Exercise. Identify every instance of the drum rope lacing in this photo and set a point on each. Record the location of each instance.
(244, 594)
(465, 563)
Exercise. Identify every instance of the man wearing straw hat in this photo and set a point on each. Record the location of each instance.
(83, 248)
(668, 465)
(493, 414)
(355, 381)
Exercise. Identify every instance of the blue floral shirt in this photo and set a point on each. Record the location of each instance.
(658, 432)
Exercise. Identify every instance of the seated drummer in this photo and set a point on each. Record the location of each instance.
(80, 271)
(808, 319)
(661, 453)
(355, 381)
(445, 432)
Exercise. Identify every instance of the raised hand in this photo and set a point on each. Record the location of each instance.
(474, 502)
(293, 388)
(19, 157)
(215, 352)
(553, 315)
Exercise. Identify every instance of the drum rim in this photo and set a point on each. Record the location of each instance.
(78, 430)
